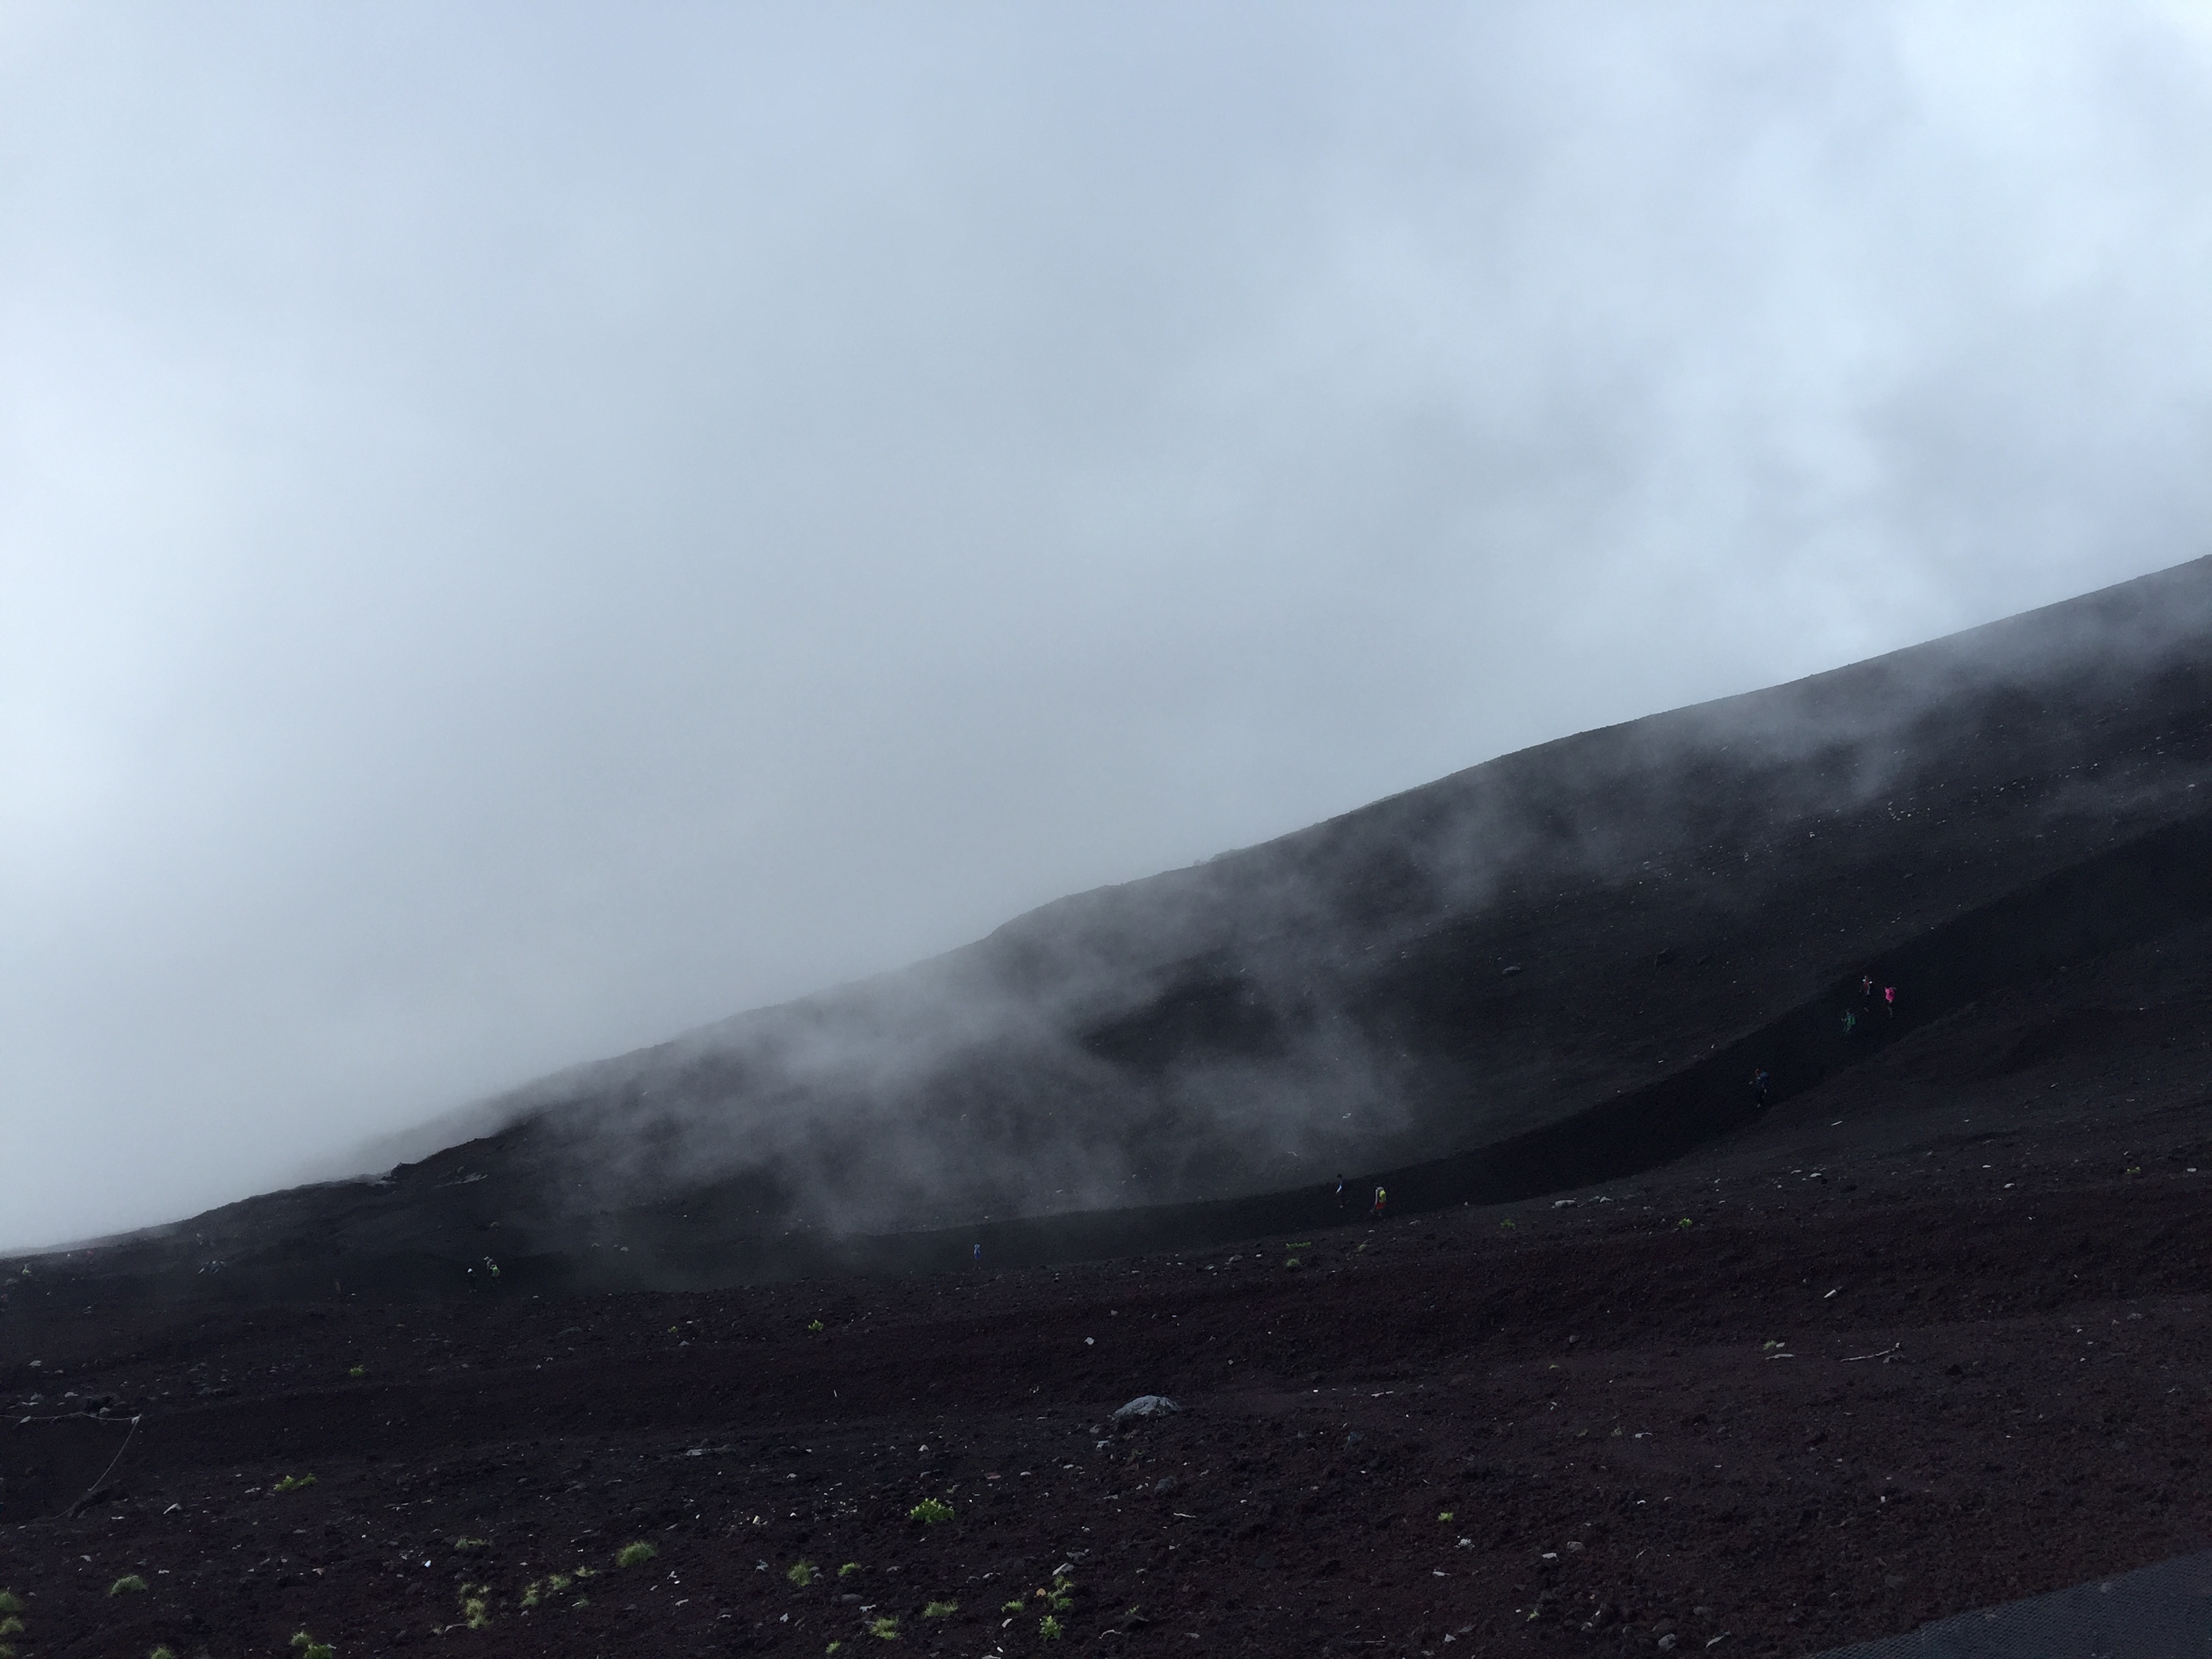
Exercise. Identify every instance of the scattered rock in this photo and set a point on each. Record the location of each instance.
(1146, 1405)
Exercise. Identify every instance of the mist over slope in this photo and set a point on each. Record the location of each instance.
(1495, 955)
(1341, 998)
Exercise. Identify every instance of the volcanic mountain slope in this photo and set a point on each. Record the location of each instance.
(1930, 1333)
(1652, 1371)
(1560, 965)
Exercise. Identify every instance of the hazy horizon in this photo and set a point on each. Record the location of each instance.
(523, 533)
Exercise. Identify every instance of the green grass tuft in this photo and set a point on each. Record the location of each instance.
(930, 1512)
(940, 1609)
(633, 1555)
(129, 1584)
(848, 1569)
(884, 1629)
(293, 1483)
(1048, 1628)
(9, 1602)
(311, 1648)
(801, 1573)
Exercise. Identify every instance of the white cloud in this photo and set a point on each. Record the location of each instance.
(520, 532)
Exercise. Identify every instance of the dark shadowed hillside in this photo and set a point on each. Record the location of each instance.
(1631, 1365)
(1558, 966)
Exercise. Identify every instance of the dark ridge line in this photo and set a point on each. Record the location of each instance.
(2120, 897)
(2127, 894)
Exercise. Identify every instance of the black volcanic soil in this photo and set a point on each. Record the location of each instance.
(1679, 894)
(1936, 1333)
(1632, 1366)
(1554, 967)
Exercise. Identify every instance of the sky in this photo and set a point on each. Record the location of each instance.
(527, 528)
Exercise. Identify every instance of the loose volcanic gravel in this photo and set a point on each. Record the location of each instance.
(1808, 1416)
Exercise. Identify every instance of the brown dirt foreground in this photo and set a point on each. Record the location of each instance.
(1840, 1401)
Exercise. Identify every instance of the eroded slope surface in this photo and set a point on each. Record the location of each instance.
(1930, 1333)
(1501, 954)
(1661, 1371)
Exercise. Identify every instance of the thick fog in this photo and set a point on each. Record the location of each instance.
(526, 529)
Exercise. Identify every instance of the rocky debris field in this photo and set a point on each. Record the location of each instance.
(1930, 1333)
(1752, 1405)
